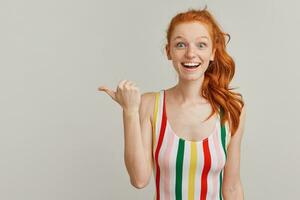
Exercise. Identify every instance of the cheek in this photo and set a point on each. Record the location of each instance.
(176, 65)
(177, 58)
(206, 56)
(177, 54)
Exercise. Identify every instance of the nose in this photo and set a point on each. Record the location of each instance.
(190, 52)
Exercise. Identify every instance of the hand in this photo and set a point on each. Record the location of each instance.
(127, 95)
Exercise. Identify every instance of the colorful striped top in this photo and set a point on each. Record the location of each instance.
(185, 169)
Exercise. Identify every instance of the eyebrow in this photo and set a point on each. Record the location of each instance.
(178, 37)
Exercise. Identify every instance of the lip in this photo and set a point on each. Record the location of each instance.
(190, 61)
(190, 69)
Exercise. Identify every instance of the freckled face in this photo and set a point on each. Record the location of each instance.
(190, 50)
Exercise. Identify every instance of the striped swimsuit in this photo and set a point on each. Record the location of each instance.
(185, 169)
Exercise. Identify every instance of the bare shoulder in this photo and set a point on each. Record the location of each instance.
(147, 104)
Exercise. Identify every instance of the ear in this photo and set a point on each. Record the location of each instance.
(168, 52)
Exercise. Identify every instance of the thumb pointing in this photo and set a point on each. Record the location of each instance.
(111, 93)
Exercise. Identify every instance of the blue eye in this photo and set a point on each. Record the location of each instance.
(202, 44)
(180, 44)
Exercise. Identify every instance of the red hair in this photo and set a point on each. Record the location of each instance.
(220, 72)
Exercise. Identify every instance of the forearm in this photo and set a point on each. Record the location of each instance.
(234, 193)
(134, 154)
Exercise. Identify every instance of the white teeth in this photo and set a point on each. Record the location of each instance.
(191, 64)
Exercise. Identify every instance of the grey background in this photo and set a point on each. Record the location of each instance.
(61, 139)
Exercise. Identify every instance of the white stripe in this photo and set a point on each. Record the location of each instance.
(212, 171)
(162, 152)
(227, 135)
(173, 168)
(222, 159)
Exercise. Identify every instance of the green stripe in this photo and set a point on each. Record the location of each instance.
(223, 138)
(221, 181)
(179, 164)
(223, 133)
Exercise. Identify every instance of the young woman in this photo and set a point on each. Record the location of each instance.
(189, 135)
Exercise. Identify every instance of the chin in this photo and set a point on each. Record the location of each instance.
(193, 77)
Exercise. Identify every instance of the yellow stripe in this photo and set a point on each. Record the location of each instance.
(193, 164)
(154, 120)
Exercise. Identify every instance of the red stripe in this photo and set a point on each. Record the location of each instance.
(207, 165)
(161, 136)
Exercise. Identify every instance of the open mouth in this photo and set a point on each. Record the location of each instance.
(190, 65)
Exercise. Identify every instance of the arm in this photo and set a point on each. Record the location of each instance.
(138, 143)
(232, 186)
(137, 130)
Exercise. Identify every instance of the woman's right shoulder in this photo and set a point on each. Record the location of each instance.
(149, 97)
(148, 104)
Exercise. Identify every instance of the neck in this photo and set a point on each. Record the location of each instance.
(187, 91)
